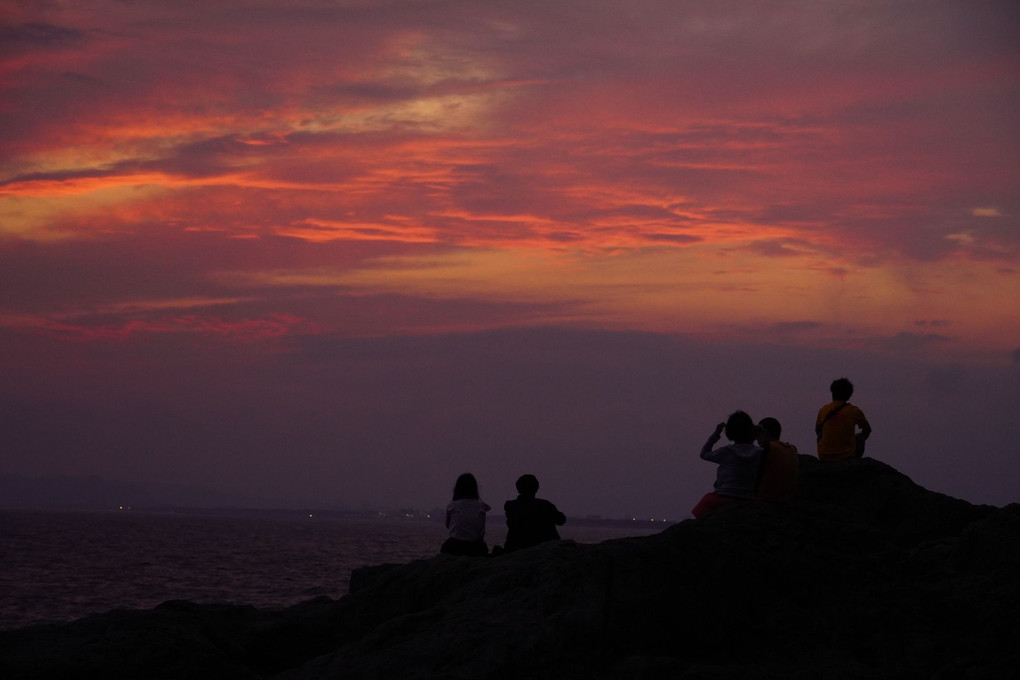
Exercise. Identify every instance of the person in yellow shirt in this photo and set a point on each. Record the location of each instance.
(841, 427)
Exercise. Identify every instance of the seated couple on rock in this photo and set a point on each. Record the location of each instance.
(749, 471)
(529, 520)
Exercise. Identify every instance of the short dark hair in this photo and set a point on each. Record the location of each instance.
(842, 389)
(771, 427)
(740, 427)
(527, 485)
(466, 487)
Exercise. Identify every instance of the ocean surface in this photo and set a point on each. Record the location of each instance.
(60, 566)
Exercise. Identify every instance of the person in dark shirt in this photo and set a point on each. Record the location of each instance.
(530, 520)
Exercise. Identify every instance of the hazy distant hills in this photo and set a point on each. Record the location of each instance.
(97, 493)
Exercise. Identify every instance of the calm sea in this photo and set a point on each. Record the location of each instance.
(58, 566)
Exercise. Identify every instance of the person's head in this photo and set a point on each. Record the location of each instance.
(769, 430)
(527, 485)
(740, 428)
(842, 389)
(466, 487)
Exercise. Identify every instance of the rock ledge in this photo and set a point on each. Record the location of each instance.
(864, 575)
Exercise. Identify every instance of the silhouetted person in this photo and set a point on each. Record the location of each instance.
(777, 471)
(465, 518)
(530, 520)
(841, 427)
(738, 464)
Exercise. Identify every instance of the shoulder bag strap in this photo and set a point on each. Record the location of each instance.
(818, 429)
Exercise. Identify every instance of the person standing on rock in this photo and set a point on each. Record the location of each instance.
(530, 520)
(777, 471)
(841, 427)
(465, 518)
(738, 464)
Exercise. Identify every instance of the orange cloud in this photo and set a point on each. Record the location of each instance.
(243, 330)
(705, 164)
(324, 230)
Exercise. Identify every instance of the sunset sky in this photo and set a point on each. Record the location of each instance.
(338, 252)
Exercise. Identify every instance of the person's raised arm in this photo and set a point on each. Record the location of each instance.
(712, 439)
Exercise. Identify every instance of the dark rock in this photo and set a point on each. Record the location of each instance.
(864, 575)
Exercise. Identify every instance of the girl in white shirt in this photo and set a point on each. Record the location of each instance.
(465, 518)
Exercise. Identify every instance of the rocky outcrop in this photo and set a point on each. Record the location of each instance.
(864, 575)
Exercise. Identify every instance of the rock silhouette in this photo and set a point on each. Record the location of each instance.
(864, 575)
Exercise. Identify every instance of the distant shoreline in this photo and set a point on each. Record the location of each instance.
(312, 513)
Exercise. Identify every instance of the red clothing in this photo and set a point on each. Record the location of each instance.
(712, 501)
(777, 478)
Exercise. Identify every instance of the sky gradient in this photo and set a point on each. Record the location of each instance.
(337, 253)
